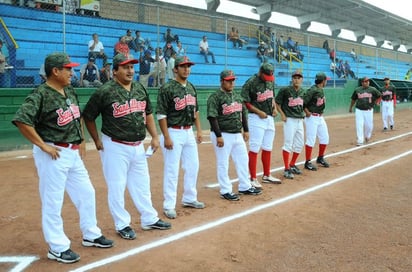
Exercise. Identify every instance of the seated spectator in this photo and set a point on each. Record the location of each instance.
(262, 52)
(290, 44)
(180, 51)
(353, 55)
(334, 69)
(170, 67)
(260, 33)
(168, 50)
(280, 41)
(342, 69)
(204, 49)
(297, 51)
(122, 47)
(89, 74)
(349, 70)
(106, 73)
(332, 54)
(159, 69)
(145, 62)
(169, 37)
(130, 40)
(326, 46)
(96, 49)
(141, 42)
(235, 38)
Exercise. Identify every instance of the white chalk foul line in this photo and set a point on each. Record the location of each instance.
(224, 220)
(215, 184)
(22, 262)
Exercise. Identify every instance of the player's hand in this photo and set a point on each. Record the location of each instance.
(308, 114)
(220, 142)
(275, 113)
(168, 143)
(262, 115)
(246, 136)
(199, 137)
(284, 118)
(52, 150)
(99, 145)
(82, 150)
(154, 143)
(350, 110)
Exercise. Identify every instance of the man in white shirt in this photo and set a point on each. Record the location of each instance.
(96, 49)
(204, 50)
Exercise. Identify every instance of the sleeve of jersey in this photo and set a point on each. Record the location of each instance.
(28, 111)
(245, 124)
(91, 110)
(214, 125)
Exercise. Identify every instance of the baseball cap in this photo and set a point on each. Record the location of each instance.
(92, 59)
(386, 78)
(365, 79)
(321, 76)
(297, 73)
(227, 75)
(182, 61)
(121, 59)
(59, 60)
(267, 72)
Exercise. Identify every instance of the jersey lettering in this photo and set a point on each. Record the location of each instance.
(125, 109)
(365, 95)
(387, 93)
(320, 101)
(187, 100)
(65, 117)
(264, 96)
(293, 102)
(232, 108)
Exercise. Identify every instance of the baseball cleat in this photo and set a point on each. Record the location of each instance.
(322, 162)
(99, 242)
(170, 213)
(127, 233)
(310, 166)
(288, 174)
(270, 179)
(255, 183)
(251, 191)
(195, 204)
(160, 225)
(295, 170)
(67, 256)
(230, 196)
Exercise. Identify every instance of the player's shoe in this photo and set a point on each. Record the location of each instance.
(288, 174)
(385, 129)
(310, 166)
(255, 183)
(295, 170)
(170, 213)
(195, 204)
(230, 196)
(127, 233)
(322, 162)
(251, 191)
(160, 224)
(67, 256)
(271, 179)
(99, 242)
(391, 127)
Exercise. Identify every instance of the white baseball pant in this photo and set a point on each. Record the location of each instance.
(316, 127)
(364, 124)
(293, 135)
(261, 132)
(387, 109)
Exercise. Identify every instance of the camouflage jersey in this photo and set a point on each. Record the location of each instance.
(365, 97)
(291, 101)
(388, 93)
(178, 103)
(123, 112)
(227, 107)
(314, 99)
(54, 117)
(259, 93)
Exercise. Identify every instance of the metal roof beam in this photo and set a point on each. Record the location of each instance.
(309, 17)
(263, 9)
(212, 5)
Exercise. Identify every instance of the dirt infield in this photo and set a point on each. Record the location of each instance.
(354, 216)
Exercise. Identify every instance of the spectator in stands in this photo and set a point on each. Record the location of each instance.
(260, 33)
(2, 66)
(280, 41)
(335, 69)
(353, 55)
(145, 62)
(159, 69)
(341, 67)
(326, 46)
(408, 75)
(262, 52)
(180, 51)
(348, 70)
(290, 44)
(167, 51)
(170, 67)
(297, 51)
(130, 40)
(106, 73)
(141, 42)
(235, 38)
(332, 54)
(96, 48)
(169, 37)
(204, 49)
(89, 74)
(122, 47)
(74, 80)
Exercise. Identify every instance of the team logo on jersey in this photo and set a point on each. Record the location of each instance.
(387, 93)
(365, 95)
(66, 116)
(187, 100)
(261, 97)
(120, 110)
(232, 108)
(293, 102)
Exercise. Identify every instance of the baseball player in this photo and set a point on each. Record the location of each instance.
(258, 95)
(314, 105)
(289, 102)
(177, 111)
(227, 116)
(364, 99)
(50, 119)
(388, 103)
(126, 113)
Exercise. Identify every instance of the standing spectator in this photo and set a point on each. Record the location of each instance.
(167, 51)
(121, 47)
(235, 38)
(326, 46)
(227, 117)
(3, 63)
(106, 73)
(50, 119)
(314, 105)
(258, 95)
(388, 103)
(297, 51)
(145, 61)
(364, 99)
(159, 69)
(262, 52)
(260, 33)
(289, 101)
(280, 41)
(348, 70)
(332, 55)
(141, 42)
(334, 69)
(204, 50)
(353, 55)
(126, 112)
(89, 74)
(177, 111)
(290, 44)
(96, 48)
(341, 67)
(130, 40)
(170, 67)
(169, 37)
(180, 51)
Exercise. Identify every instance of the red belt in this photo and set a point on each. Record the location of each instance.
(316, 114)
(387, 100)
(126, 143)
(67, 145)
(181, 127)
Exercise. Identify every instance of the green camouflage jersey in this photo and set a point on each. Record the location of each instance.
(365, 97)
(388, 93)
(178, 103)
(259, 93)
(54, 117)
(227, 107)
(314, 99)
(291, 101)
(123, 112)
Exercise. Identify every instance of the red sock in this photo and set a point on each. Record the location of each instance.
(308, 152)
(322, 148)
(294, 158)
(285, 156)
(266, 158)
(252, 164)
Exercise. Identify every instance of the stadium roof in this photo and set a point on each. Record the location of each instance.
(354, 15)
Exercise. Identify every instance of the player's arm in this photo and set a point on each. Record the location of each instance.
(214, 125)
(245, 126)
(162, 119)
(253, 109)
(282, 114)
(352, 102)
(92, 129)
(198, 128)
(151, 128)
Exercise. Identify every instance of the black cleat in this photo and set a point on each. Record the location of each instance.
(251, 191)
(322, 162)
(295, 170)
(127, 233)
(230, 196)
(310, 166)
